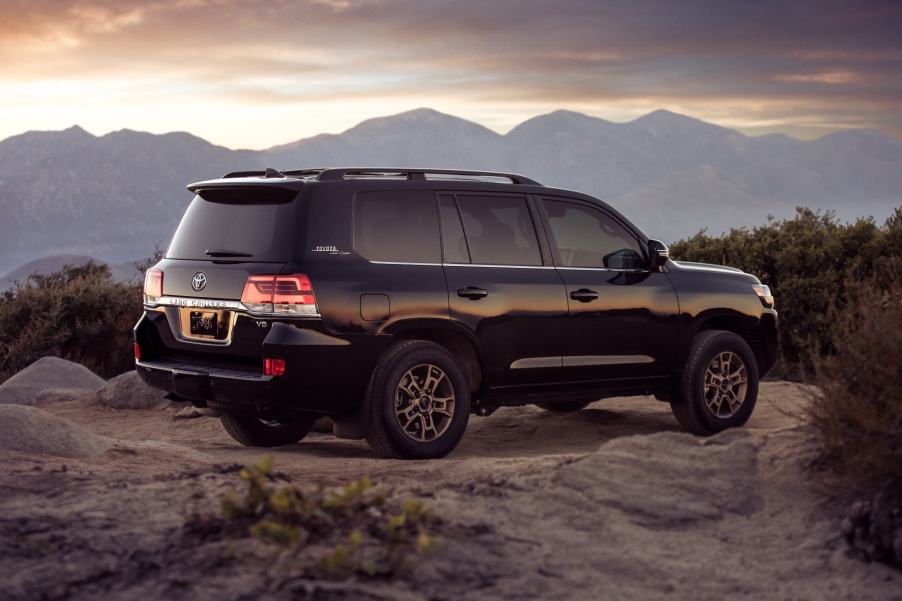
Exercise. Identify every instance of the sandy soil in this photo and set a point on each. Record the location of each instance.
(611, 502)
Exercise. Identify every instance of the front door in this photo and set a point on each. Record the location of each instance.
(502, 288)
(624, 318)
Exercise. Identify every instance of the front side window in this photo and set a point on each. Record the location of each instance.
(499, 230)
(397, 225)
(588, 237)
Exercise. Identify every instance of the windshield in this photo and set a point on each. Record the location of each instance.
(249, 230)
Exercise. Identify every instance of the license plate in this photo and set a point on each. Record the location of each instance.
(203, 323)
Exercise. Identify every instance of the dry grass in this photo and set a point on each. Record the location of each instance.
(858, 411)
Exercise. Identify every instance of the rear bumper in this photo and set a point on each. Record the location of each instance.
(323, 373)
(205, 383)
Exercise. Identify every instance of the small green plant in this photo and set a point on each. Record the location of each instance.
(360, 531)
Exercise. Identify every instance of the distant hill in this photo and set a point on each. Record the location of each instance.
(118, 196)
(126, 272)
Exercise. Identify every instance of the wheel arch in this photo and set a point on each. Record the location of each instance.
(755, 330)
(456, 339)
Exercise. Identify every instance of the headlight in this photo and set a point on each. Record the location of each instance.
(763, 292)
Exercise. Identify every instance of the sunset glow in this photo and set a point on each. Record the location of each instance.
(259, 73)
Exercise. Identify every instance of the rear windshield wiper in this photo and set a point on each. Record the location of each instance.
(218, 252)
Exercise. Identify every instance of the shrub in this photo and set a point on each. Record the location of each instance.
(362, 532)
(857, 412)
(805, 261)
(77, 313)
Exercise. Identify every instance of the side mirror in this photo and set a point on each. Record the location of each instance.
(658, 253)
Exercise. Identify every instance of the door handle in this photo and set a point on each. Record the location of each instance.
(472, 293)
(584, 295)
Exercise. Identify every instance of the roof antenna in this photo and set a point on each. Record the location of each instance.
(272, 173)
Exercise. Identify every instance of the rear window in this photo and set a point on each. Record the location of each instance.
(237, 223)
(398, 226)
(499, 230)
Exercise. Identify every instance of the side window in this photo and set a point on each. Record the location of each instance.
(499, 230)
(397, 225)
(454, 244)
(588, 237)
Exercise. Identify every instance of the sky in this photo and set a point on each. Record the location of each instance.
(252, 74)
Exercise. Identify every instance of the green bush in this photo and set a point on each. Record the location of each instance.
(77, 313)
(806, 262)
(857, 409)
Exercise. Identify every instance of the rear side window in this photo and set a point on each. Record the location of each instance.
(254, 227)
(588, 237)
(499, 230)
(397, 225)
(454, 244)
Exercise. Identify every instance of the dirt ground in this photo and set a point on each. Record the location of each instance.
(612, 502)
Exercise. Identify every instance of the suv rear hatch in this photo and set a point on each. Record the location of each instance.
(225, 264)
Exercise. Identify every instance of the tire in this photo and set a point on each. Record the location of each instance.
(695, 403)
(567, 407)
(251, 431)
(405, 388)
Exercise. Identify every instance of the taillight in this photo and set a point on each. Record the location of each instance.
(274, 367)
(279, 295)
(137, 352)
(153, 283)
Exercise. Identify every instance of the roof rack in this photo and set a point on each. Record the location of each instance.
(337, 174)
(418, 174)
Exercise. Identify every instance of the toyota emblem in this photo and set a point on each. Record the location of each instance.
(199, 281)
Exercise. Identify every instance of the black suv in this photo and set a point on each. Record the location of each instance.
(400, 301)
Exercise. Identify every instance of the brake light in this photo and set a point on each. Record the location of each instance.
(137, 352)
(153, 283)
(279, 295)
(274, 367)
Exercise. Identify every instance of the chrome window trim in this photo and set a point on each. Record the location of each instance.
(508, 266)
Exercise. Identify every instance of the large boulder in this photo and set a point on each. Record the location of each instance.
(670, 479)
(33, 430)
(128, 391)
(45, 374)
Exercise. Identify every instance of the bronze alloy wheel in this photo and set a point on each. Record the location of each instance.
(726, 384)
(424, 402)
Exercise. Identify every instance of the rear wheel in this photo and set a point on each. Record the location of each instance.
(252, 431)
(719, 386)
(420, 402)
(568, 407)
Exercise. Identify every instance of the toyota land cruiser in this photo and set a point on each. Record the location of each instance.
(400, 301)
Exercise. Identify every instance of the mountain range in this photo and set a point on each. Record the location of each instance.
(118, 196)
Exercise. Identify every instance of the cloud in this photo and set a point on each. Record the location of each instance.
(758, 58)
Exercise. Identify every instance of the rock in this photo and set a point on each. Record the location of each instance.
(323, 425)
(192, 412)
(33, 430)
(60, 395)
(47, 373)
(128, 391)
(670, 479)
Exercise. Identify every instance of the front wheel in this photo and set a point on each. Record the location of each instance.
(719, 386)
(252, 431)
(419, 402)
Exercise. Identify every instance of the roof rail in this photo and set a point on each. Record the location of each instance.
(415, 174)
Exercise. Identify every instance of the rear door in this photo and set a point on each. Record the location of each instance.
(502, 288)
(623, 317)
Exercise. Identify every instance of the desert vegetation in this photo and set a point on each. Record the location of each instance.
(809, 262)
(350, 530)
